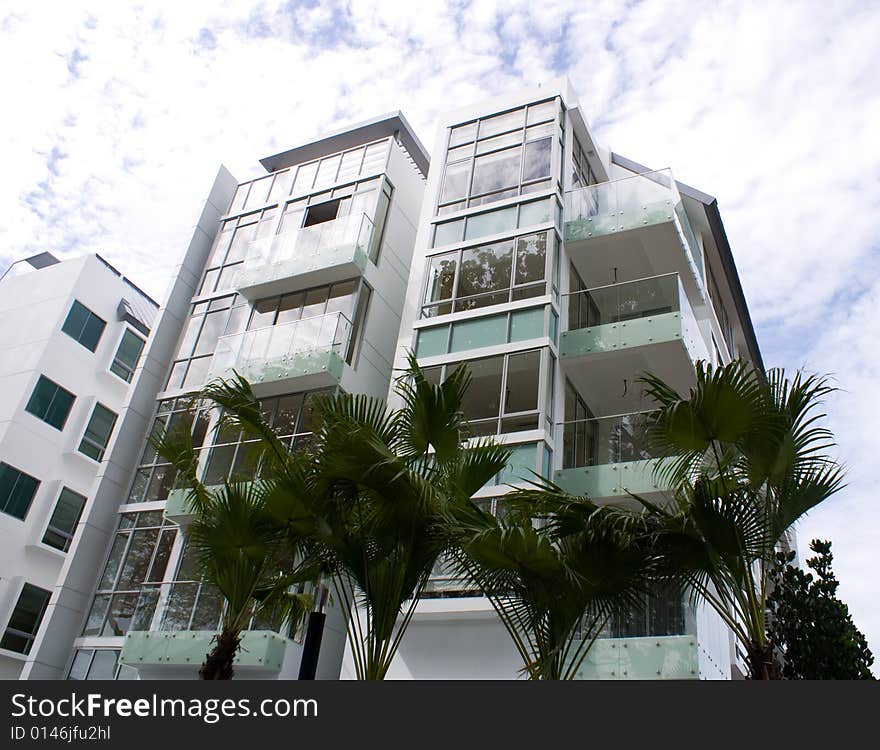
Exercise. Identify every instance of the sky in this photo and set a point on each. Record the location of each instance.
(118, 116)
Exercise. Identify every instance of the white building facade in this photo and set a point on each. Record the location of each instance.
(556, 269)
(560, 272)
(71, 339)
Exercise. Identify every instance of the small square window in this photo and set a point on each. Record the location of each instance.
(50, 402)
(84, 326)
(98, 431)
(25, 619)
(17, 491)
(65, 517)
(127, 355)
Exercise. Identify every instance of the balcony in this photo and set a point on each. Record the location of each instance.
(299, 355)
(173, 626)
(608, 457)
(667, 657)
(311, 256)
(635, 226)
(618, 332)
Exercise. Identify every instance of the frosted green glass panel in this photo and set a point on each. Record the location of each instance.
(527, 324)
(520, 466)
(446, 234)
(474, 334)
(432, 341)
(536, 212)
(500, 220)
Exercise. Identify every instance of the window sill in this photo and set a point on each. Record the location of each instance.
(39, 546)
(13, 655)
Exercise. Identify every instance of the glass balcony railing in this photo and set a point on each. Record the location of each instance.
(331, 243)
(629, 203)
(300, 347)
(628, 300)
(175, 606)
(606, 440)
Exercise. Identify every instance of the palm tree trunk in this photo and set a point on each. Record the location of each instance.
(218, 663)
(761, 662)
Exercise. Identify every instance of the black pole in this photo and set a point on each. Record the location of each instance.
(308, 665)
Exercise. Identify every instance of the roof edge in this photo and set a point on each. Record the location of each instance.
(391, 124)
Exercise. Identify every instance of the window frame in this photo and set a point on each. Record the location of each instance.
(116, 361)
(467, 150)
(19, 475)
(67, 536)
(29, 637)
(91, 442)
(456, 303)
(58, 389)
(544, 382)
(90, 314)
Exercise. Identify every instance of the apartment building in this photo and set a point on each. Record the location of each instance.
(295, 280)
(71, 339)
(558, 270)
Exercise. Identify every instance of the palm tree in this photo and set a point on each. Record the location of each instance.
(381, 484)
(240, 552)
(746, 458)
(366, 505)
(556, 568)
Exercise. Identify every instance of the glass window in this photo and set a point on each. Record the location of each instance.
(491, 222)
(542, 112)
(484, 275)
(536, 212)
(499, 142)
(527, 324)
(496, 171)
(531, 258)
(139, 554)
(259, 192)
(65, 517)
(478, 333)
(432, 341)
(520, 466)
(536, 161)
(17, 491)
(462, 134)
(448, 232)
(327, 170)
(485, 268)
(499, 165)
(502, 123)
(521, 391)
(98, 431)
(50, 402)
(374, 157)
(154, 477)
(25, 619)
(224, 315)
(84, 326)
(127, 355)
(482, 399)
(455, 182)
(305, 177)
(441, 277)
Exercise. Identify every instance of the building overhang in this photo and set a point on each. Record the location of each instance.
(393, 124)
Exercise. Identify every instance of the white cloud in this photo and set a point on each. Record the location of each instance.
(772, 107)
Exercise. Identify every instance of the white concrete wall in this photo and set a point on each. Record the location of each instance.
(33, 307)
